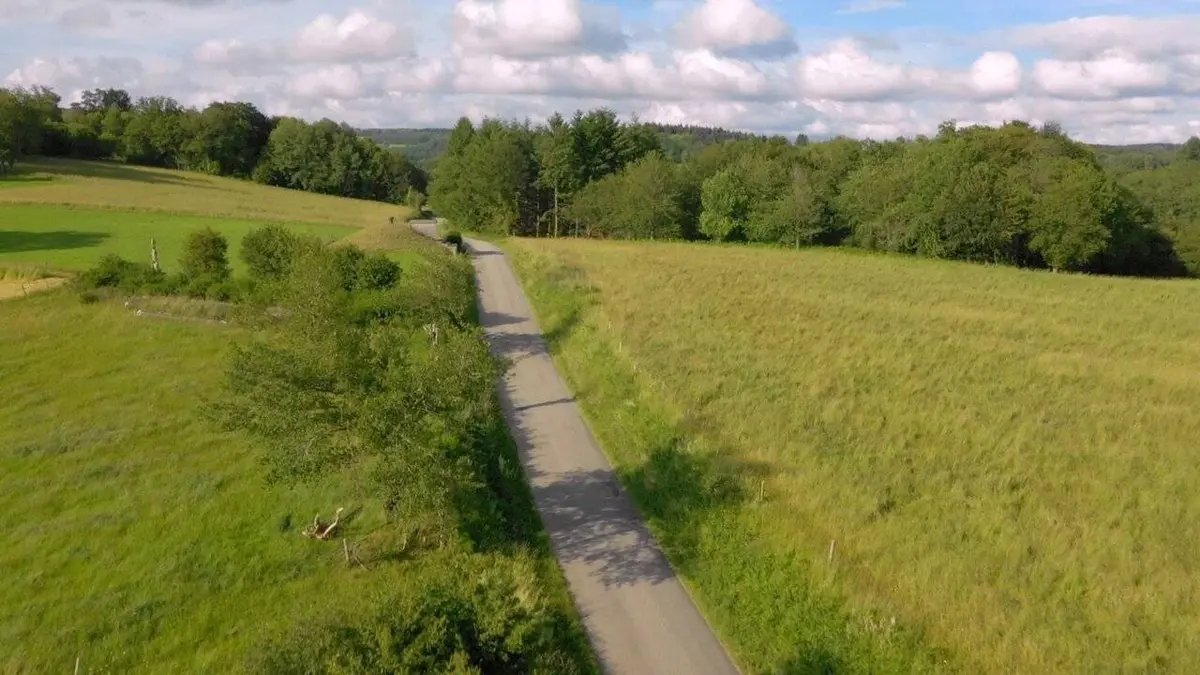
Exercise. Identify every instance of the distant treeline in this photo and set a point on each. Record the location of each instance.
(424, 147)
(1016, 194)
(225, 138)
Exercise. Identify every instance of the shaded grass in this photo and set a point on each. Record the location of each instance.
(1003, 457)
(74, 239)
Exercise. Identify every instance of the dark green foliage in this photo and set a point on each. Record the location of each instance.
(377, 272)
(347, 259)
(225, 138)
(113, 271)
(205, 256)
(268, 251)
(485, 617)
(332, 159)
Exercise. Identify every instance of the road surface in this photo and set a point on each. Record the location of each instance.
(638, 616)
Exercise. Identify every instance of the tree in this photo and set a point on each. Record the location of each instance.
(227, 139)
(101, 100)
(557, 161)
(725, 206)
(1190, 150)
(1067, 227)
(268, 251)
(204, 255)
(795, 216)
(650, 199)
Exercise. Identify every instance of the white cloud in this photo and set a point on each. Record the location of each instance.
(736, 27)
(327, 39)
(731, 63)
(533, 28)
(1081, 38)
(1114, 73)
(996, 74)
(845, 72)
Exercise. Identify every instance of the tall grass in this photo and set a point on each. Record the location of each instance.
(1001, 461)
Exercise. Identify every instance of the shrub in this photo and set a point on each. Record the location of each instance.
(204, 255)
(377, 272)
(113, 271)
(347, 260)
(268, 251)
(491, 621)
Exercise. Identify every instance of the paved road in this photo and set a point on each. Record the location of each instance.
(639, 618)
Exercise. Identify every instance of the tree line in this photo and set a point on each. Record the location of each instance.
(224, 138)
(1016, 194)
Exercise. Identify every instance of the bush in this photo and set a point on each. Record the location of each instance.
(113, 271)
(268, 251)
(492, 621)
(347, 260)
(204, 255)
(377, 272)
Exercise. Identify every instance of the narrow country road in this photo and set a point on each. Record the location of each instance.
(638, 616)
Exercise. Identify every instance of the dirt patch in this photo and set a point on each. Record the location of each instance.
(16, 288)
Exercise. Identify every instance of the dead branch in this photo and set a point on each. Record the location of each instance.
(320, 531)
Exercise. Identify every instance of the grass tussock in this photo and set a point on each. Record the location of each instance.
(1003, 458)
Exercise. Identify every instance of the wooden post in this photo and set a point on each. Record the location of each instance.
(154, 254)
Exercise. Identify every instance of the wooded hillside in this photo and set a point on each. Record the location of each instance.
(225, 138)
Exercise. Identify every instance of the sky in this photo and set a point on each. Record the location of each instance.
(1109, 71)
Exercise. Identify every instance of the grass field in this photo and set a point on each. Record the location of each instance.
(880, 464)
(65, 215)
(139, 539)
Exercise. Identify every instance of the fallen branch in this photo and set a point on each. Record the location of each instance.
(320, 531)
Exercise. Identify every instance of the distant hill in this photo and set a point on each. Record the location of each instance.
(423, 146)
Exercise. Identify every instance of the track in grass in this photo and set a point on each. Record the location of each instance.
(1004, 458)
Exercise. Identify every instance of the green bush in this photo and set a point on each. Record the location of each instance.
(268, 251)
(205, 255)
(113, 271)
(347, 260)
(492, 621)
(377, 272)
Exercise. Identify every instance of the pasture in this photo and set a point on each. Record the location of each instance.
(65, 215)
(868, 463)
(141, 540)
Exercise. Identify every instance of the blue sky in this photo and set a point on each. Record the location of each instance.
(1108, 70)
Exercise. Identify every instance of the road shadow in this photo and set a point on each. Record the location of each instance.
(497, 319)
(12, 241)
